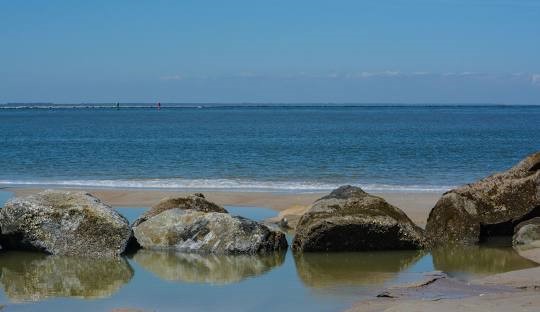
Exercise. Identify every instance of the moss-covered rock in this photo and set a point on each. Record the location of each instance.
(64, 223)
(350, 219)
(193, 202)
(492, 206)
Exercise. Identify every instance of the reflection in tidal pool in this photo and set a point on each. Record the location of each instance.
(321, 270)
(35, 276)
(212, 269)
(474, 261)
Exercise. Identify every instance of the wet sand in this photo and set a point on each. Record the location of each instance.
(502, 302)
(289, 205)
(511, 291)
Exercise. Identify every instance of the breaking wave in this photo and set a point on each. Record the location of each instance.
(224, 184)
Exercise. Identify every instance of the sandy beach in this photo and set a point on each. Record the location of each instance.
(288, 205)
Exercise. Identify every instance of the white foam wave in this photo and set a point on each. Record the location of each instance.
(223, 184)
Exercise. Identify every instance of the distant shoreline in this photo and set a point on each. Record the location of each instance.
(252, 105)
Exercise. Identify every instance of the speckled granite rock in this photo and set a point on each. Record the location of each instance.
(527, 233)
(193, 202)
(64, 223)
(492, 206)
(207, 232)
(350, 219)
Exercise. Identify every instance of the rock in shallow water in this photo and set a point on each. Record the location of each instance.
(207, 232)
(64, 223)
(192, 202)
(490, 207)
(350, 219)
(527, 233)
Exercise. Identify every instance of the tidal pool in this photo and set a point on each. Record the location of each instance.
(171, 281)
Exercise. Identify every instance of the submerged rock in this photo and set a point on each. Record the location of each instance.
(492, 206)
(206, 268)
(350, 219)
(527, 233)
(207, 232)
(196, 202)
(33, 276)
(63, 223)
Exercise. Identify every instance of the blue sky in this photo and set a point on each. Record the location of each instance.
(407, 51)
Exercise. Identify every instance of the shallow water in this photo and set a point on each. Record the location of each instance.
(170, 281)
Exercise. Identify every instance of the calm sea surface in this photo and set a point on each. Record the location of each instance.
(169, 281)
(276, 148)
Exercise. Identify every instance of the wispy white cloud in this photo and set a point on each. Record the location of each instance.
(172, 77)
(386, 73)
(535, 79)
(462, 74)
(371, 74)
(468, 73)
(524, 77)
(248, 74)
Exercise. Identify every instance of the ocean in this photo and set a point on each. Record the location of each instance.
(275, 147)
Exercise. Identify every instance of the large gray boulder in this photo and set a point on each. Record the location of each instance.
(492, 206)
(195, 230)
(63, 223)
(196, 202)
(350, 219)
(527, 233)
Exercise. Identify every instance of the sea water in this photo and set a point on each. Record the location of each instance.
(289, 148)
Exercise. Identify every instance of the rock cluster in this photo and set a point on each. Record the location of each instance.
(348, 219)
(78, 224)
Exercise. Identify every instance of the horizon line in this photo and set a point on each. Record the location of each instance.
(199, 104)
